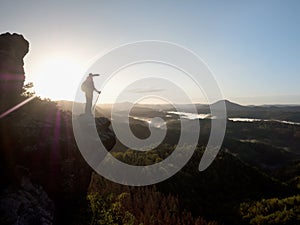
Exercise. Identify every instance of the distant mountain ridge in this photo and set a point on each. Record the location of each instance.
(234, 110)
(67, 105)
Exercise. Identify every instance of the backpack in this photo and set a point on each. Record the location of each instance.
(84, 86)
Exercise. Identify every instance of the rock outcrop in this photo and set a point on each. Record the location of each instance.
(13, 48)
(106, 135)
(84, 125)
(25, 205)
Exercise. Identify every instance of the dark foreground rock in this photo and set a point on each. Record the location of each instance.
(26, 205)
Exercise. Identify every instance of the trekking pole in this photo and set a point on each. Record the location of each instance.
(96, 101)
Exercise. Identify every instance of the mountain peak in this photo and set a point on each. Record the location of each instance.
(229, 105)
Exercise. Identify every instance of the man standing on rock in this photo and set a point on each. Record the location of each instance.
(88, 87)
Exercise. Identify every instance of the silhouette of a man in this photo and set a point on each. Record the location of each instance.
(88, 87)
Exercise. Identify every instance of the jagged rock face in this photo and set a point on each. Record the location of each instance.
(106, 135)
(26, 205)
(13, 48)
(85, 123)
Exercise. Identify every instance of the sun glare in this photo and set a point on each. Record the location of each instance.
(57, 78)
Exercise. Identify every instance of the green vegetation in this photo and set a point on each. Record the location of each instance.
(272, 211)
(109, 210)
(111, 203)
(214, 194)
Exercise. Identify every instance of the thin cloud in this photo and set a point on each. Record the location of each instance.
(143, 90)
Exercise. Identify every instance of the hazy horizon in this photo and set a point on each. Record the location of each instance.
(199, 103)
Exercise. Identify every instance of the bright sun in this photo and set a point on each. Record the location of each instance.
(57, 78)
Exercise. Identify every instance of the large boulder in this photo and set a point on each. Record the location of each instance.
(13, 48)
(107, 136)
(84, 127)
(25, 205)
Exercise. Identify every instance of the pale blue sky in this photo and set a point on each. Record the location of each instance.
(252, 47)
